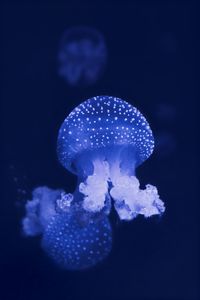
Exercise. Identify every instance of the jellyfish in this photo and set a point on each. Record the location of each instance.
(72, 238)
(82, 56)
(103, 140)
(74, 246)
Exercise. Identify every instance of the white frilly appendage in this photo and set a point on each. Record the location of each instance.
(129, 199)
(44, 205)
(64, 202)
(95, 188)
(30, 223)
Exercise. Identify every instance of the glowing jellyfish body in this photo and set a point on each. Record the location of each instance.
(82, 56)
(102, 141)
(74, 246)
(71, 237)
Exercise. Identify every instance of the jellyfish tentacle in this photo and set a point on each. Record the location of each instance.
(95, 187)
(63, 204)
(110, 178)
(131, 201)
(73, 238)
(40, 210)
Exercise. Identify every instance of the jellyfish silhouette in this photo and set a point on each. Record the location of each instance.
(102, 141)
(82, 56)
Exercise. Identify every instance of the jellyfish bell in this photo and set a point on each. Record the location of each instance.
(76, 247)
(72, 237)
(102, 141)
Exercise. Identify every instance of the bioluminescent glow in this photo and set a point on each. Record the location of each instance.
(74, 245)
(72, 237)
(102, 141)
(82, 56)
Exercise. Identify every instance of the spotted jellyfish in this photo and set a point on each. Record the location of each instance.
(103, 141)
(82, 56)
(70, 236)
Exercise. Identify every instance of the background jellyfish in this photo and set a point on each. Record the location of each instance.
(165, 144)
(167, 116)
(165, 112)
(82, 56)
(102, 141)
(72, 238)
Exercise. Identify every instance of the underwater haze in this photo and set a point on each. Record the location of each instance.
(99, 151)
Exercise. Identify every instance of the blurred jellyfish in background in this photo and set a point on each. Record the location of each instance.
(166, 115)
(82, 56)
(165, 144)
(165, 112)
(70, 236)
(102, 141)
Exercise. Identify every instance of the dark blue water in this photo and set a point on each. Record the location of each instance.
(151, 59)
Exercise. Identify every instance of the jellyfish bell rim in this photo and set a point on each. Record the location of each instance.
(68, 162)
(72, 165)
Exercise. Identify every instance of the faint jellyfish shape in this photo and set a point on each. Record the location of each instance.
(82, 56)
(102, 141)
(166, 144)
(40, 210)
(165, 112)
(74, 246)
(70, 236)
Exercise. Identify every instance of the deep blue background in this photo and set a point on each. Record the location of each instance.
(151, 259)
